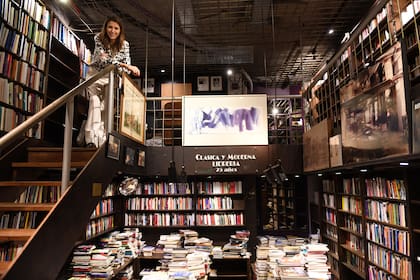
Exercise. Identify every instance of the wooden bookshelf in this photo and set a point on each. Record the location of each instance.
(23, 54)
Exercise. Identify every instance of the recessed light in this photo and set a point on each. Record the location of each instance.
(337, 173)
(319, 174)
(363, 170)
(162, 70)
(404, 163)
(331, 31)
(229, 72)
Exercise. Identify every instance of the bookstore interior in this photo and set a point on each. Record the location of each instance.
(301, 163)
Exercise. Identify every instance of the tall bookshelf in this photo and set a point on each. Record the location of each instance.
(329, 229)
(24, 36)
(367, 224)
(68, 64)
(351, 228)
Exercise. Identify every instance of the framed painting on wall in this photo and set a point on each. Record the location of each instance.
(202, 83)
(216, 83)
(225, 120)
(133, 106)
(113, 148)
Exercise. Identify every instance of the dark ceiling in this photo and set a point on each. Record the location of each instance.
(274, 41)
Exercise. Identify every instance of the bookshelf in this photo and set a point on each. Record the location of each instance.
(351, 229)
(105, 217)
(370, 42)
(219, 203)
(24, 35)
(284, 205)
(68, 64)
(329, 230)
(366, 223)
(160, 204)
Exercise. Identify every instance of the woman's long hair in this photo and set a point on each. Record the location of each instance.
(106, 41)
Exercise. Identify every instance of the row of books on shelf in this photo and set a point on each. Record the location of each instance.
(10, 12)
(21, 72)
(16, 42)
(233, 187)
(220, 219)
(330, 216)
(387, 212)
(351, 204)
(355, 262)
(373, 24)
(40, 194)
(352, 186)
(9, 251)
(159, 219)
(164, 188)
(99, 226)
(159, 203)
(390, 261)
(20, 220)
(104, 207)
(17, 96)
(381, 187)
(64, 35)
(9, 119)
(215, 203)
(410, 11)
(353, 223)
(392, 238)
(354, 243)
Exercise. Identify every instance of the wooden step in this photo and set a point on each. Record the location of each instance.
(47, 164)
(8, 234)
(12, 206)
(4, 266)
(30, 183)
(56, 154)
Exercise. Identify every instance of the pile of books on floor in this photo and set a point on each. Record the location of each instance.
(237, 246)
(288, 258)
(185, 256)
(104, 258)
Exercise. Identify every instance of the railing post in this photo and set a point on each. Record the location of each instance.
(110, 103)
(67, 145)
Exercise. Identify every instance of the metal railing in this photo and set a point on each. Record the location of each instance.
(68, 100)
(164, 125)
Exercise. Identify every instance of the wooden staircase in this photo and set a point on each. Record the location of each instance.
(30, 196)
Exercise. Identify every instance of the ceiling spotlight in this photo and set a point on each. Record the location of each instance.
(275, 111)
(162, 70)
(229, 72)
(331, 31)
(404, 164)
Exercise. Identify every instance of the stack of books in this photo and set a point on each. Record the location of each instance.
(316, 261)
(101, 262)
(80, 263)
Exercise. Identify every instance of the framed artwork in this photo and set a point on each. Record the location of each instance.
(133, 107)
(150, 85)
(113, 148)
(216, 83)
(225, 120)
(141, 159)
(202, 83)
(129, 156)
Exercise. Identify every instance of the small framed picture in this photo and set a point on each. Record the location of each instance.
(129, 156)
(150, 85)
(141, 159)
(202, 83)
(113, 148)
(216, 83)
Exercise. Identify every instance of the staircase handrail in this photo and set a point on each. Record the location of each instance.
(68, 99)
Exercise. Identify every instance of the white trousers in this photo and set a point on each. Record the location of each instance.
(95, 128)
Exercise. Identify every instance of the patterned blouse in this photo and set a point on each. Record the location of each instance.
(122, 56)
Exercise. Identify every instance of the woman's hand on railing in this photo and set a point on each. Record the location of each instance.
(133, 69)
